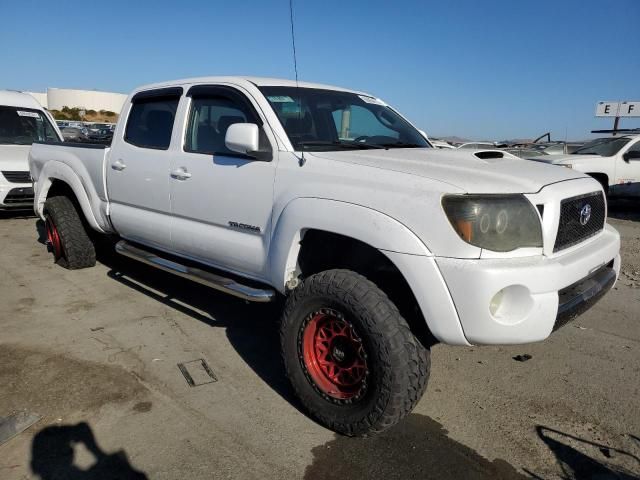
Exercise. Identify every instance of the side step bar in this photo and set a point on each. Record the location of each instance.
(203, 277)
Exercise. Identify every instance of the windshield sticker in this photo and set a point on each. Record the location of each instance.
(280, 99)
(22, 113)
(375, 101)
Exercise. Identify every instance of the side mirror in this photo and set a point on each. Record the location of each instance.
(243, 138)
(633, 155)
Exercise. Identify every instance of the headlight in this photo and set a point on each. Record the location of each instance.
(496, 222)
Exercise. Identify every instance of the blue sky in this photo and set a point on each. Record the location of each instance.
(477, 69)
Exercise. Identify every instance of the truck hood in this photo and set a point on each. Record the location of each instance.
(461, 169)
(14, 157)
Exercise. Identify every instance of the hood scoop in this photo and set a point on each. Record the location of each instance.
(489, 155)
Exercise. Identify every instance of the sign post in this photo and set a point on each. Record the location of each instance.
(617, 110)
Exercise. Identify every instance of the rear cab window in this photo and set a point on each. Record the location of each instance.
(151, 118)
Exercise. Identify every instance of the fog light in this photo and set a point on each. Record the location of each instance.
(496, 301)
(511, 305)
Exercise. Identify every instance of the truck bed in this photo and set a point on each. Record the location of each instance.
(82, 164)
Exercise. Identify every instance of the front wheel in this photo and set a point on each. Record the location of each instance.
(350, 356)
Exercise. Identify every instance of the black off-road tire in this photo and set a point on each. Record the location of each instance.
(397, 363)
(77, 248)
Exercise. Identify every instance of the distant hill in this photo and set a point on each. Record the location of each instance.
(100, 116)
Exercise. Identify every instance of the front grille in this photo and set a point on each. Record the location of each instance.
(17, 177)
(19, 196)
(581, 217)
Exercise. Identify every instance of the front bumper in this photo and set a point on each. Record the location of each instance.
(15, 195)
(532, 295)
(544, 293)
(576, 299)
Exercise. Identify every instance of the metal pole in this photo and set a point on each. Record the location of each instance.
(615, 125)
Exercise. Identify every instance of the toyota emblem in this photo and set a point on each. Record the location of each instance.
(585, 214)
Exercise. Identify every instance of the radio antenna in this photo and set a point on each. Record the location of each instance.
(295, 68)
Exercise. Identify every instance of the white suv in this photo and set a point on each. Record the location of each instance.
(22, 121)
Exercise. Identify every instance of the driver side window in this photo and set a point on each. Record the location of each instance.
(635, 147)
(209, 120)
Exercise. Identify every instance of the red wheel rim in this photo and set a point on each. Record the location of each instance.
(334, 356)
(53, 238)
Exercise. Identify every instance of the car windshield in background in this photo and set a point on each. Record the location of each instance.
(323, 120)
(605, 147)
(23, 126)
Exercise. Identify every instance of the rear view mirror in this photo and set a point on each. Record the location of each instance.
(243, 138)
(633, 155)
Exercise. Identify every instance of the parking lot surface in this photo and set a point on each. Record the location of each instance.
(95, 353)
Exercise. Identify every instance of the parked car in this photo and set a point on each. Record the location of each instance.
(381, 244)
(477, 145)
(613, 161)
(440, 143)
(22, 121)
(98, 132)
(73, 134)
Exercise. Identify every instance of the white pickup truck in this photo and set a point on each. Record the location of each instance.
(381, 244)
(613, 161)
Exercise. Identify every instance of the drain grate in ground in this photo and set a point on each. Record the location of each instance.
(197, 372)
(14, 424)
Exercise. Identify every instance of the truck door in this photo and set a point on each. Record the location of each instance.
(628, 171)
(138, 168)
(221, 201)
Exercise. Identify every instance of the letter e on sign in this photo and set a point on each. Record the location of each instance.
(629, 109)
(607, 109)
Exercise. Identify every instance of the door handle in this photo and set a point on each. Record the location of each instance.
(180, 174)
(118, 165)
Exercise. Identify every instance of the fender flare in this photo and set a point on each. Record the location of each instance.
(355, 221)
(54, 170)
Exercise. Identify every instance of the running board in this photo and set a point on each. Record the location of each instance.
(203, 277)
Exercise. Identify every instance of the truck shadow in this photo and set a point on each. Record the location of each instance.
(252, 329)
(53, 456)
(418, 447)
(16, 214)
(583, 459)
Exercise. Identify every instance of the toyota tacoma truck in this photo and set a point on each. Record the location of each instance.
(22, 121)
(330, 199)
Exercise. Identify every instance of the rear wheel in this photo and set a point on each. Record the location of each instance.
(350, 356)
(67, 236)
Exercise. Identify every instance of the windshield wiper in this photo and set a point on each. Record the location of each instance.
(346, 145)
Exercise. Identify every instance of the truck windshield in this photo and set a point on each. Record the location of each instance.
(23, 126)
(605, 147)
(325, 120)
